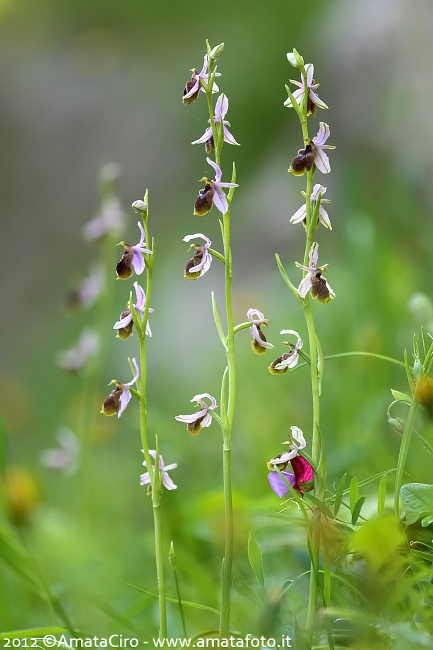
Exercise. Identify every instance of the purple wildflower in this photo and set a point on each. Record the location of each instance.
(119, 399)
(202, 260)
(314, 280)
(125, 324)
(203, 418)
(75, 358)
(288, 359)
(221, 108)
(194, 86)
(313, 99)
(300, 215)
(132, 259)
(166, 480)
(321, 159)
(64, 458)
(212, 194)
(259, 343)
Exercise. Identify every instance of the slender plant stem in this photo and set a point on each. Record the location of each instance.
(227, 427)
(154, 475)
(404, 448)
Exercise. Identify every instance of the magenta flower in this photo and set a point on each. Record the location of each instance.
(314, 282)
(288, 359)
(300, 215)
(194, 86)
(212, 194)
(166, 480)
(203, 418)
(313, 99)
(259, 343)
(202, 260)
(221, 108)
(132, 259)
(302, 470)
(321, 160)
(119, 399)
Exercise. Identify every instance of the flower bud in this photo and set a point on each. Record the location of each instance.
(396, 425)
(292, 59)
(216, 52)
(299, 59)
(140, 206)
(424, 393)
(418, 370)
(204, 201)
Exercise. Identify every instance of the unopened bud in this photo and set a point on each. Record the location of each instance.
(396, 425)
(172, 557)
(292, 59)
(216, 52)
(140, 206)
(418, 370)
(299, 59)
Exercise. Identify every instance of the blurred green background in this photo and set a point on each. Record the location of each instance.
(86, 83)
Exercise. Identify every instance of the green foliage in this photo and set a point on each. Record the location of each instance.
(417, 500)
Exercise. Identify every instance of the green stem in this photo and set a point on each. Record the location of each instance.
(155, 482)
(227, 421)
(404, 448)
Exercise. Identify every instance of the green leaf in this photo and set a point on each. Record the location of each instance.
(357, 510)
(255, 557)
(401, 397)
(417, 500)
(12, 555)
(319, 505)
(246, 591)
(339, 494)
(381, 497)
(354, 492)
(34, 633)
(218, 324)
(187, 603)
(298, 637)
(427, 521)
(286, 585)
(286, 279)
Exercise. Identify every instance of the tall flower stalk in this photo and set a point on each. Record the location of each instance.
(313, 285)
(138, 259)
(212, 195)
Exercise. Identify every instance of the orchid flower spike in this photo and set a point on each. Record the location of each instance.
(166, 480)
(288, 359)
(259, 343)
(193, 87)
(88, 290)
(132, 259)
(118, 400)
(301, 214)
(314, 282)
(212, 194)
(200, 263)
(203, 418)
(125, 324)
(313, 154)
(313, 99)
(221, 108)
(302, 476)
